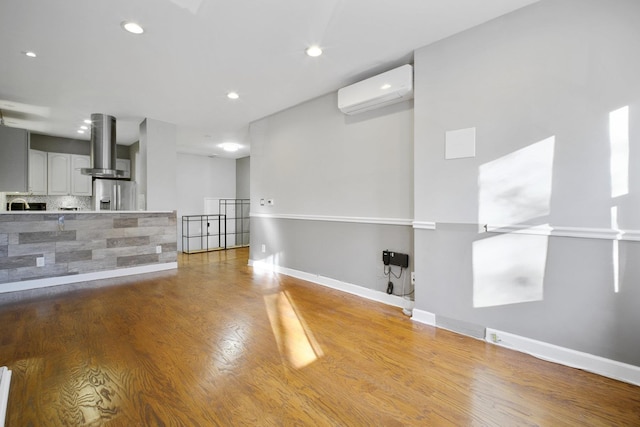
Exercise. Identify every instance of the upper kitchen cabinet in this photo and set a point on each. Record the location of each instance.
(59, 174)
(81, 185)
(124, 165)
(37, 172)
(14, 159)
(64, 177)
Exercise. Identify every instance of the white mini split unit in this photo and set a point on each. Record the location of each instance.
(378, 91)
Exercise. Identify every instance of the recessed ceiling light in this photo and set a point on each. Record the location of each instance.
(80, 131)
(87, 121)
(385, 86)
(233, 95)
(84, 127)
(314, 51)
(132, 27)
(229, 146)
(30, 54)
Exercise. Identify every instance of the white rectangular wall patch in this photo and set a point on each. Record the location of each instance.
(460, 143)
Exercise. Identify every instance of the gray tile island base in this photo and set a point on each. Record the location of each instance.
(54, 248)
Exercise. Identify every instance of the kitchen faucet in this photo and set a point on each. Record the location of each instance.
(26, 205)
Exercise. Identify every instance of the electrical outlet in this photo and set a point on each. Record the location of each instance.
(413, 278)
(40, 261)
(261, 202)
(158, 249)
(264, 248)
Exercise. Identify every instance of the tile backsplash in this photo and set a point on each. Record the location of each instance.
(54, 203)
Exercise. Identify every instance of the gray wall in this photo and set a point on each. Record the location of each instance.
(539, 86)
(314, 161)
(349, 252)
(243, 168)
(57, 144)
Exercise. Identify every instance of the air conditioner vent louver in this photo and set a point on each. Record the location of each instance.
(378, 91)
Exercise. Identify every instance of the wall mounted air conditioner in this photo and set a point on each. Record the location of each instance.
(384, 89)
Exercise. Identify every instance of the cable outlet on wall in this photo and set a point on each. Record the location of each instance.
(40, 261)
(264, 248)
(158, 249)
(271, 202)
(413, 278)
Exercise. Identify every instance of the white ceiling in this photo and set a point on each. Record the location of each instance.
(195, 51)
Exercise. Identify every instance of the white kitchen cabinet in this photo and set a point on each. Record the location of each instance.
(37, 172)
(64, 177)
(124, 165)
(81, 185)
(58, 174)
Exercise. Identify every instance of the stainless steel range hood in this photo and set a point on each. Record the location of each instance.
(103, 148)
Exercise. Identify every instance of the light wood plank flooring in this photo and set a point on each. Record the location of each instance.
(217, 343)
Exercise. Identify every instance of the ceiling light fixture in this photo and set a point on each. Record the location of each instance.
(80, 131)
(30, 54)
(230, 146)
(385, 86)
(87, 121)
(84, 127)
(132, 27)
(314, 51)
(233, 95)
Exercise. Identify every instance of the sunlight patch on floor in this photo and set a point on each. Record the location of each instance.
(295, 340)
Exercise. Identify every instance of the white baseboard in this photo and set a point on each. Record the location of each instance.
(85, 277)
(425, 317)
(564, 356)
(350, 288)
(552, 353)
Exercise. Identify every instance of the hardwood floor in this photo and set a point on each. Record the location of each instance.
(217, 343)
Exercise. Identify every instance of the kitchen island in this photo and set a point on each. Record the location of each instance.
(48, 248)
